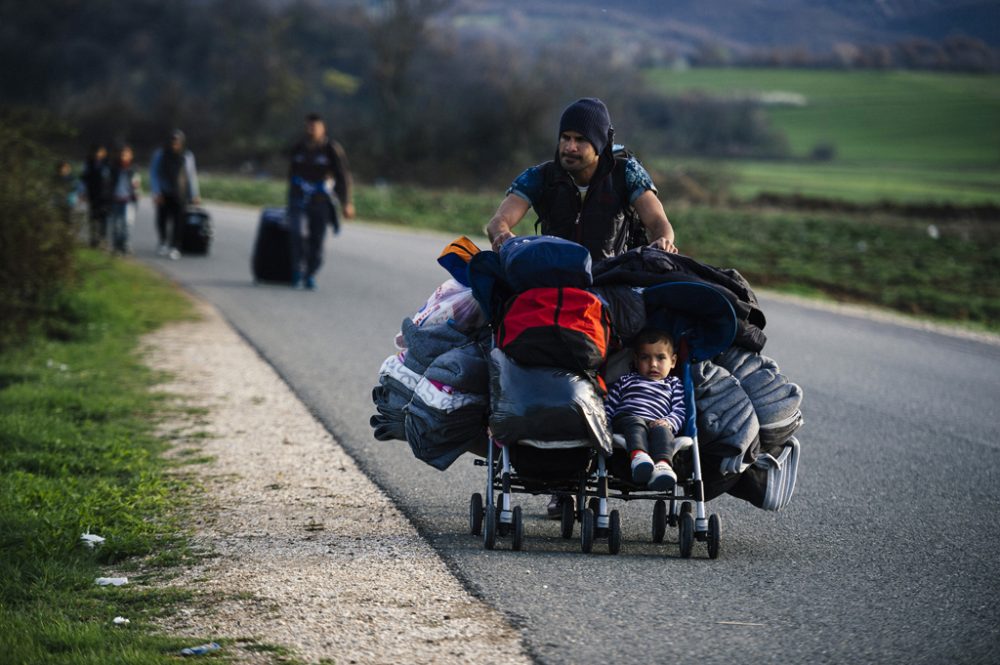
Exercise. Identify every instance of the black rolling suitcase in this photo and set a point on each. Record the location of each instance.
(196, 236)
(272, 260)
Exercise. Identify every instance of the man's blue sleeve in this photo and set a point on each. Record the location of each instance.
(637, 180)
(528, 185)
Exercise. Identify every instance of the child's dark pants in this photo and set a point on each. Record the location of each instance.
(657, 441)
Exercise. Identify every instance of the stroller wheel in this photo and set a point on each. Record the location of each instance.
(517, 527)
(476, 514)
(686, 534)
(659, 520)
(686, 507)
(490, 530)
(714, 534)
(614, 533)
(503, 530)
(595, 508)
(587, 530)
(568, 519)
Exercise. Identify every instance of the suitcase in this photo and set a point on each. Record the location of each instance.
(196, 236)
(272, 260)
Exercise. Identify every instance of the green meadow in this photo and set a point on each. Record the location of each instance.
(897, 135)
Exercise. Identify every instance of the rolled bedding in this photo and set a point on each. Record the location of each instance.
(727, 423)
(394, 391)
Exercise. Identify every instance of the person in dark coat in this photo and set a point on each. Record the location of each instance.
(96, 179)
(173, 181)
(318, 171)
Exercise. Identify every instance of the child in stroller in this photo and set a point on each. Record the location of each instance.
(646, 406)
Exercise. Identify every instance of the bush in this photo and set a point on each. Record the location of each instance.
(36, 240)
(823, 152)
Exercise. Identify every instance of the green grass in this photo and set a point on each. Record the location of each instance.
(911, 136)
(78, 452)
(893, 263)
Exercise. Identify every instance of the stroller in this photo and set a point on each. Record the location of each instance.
(703, 324)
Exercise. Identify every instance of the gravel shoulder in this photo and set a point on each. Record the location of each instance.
(307, 554)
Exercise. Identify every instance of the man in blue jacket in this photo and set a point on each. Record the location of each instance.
(318, 170)
(173, 181)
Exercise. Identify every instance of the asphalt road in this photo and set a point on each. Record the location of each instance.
(888, 552)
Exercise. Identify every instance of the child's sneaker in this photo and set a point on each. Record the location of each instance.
(663, 477)
(642, 467)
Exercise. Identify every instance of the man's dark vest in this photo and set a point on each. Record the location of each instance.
(597, 222)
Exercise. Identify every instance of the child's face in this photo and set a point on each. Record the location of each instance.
(654, 361)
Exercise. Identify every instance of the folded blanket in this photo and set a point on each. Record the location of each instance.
(727, 424)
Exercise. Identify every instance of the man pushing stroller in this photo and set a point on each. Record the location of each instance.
(583, 194)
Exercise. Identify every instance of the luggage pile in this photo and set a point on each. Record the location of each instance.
(518, 345)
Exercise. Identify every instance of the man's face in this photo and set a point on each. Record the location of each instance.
(176, 144)
(575, 152)
(315, 130)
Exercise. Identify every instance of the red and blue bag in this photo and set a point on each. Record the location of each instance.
(556, 327)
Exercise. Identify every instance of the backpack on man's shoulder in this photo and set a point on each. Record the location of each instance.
(634, 231)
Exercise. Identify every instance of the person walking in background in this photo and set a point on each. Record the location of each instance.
(65, 190)
(173, 181)
(318, 171)
(96, 178)
(124, 198)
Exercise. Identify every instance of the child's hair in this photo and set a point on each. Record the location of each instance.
(652, 336)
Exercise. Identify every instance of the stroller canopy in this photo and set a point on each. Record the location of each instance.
(695, 312)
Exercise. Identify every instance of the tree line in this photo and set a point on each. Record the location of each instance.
(408, 97)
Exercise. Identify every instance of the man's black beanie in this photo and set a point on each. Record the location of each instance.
(589, 116)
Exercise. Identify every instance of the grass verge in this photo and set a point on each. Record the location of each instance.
(78, 452)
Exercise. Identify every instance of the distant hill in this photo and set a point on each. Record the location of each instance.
(740, 26)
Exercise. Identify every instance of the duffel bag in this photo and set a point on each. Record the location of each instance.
(556, 327)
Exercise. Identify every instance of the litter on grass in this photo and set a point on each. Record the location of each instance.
(91, 540)
(111, 581)
(201, 649)
(120, 621)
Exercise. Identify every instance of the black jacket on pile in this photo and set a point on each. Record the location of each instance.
(648, 266)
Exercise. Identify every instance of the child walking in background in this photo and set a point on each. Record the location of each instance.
(124, 197)
(647, 407)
